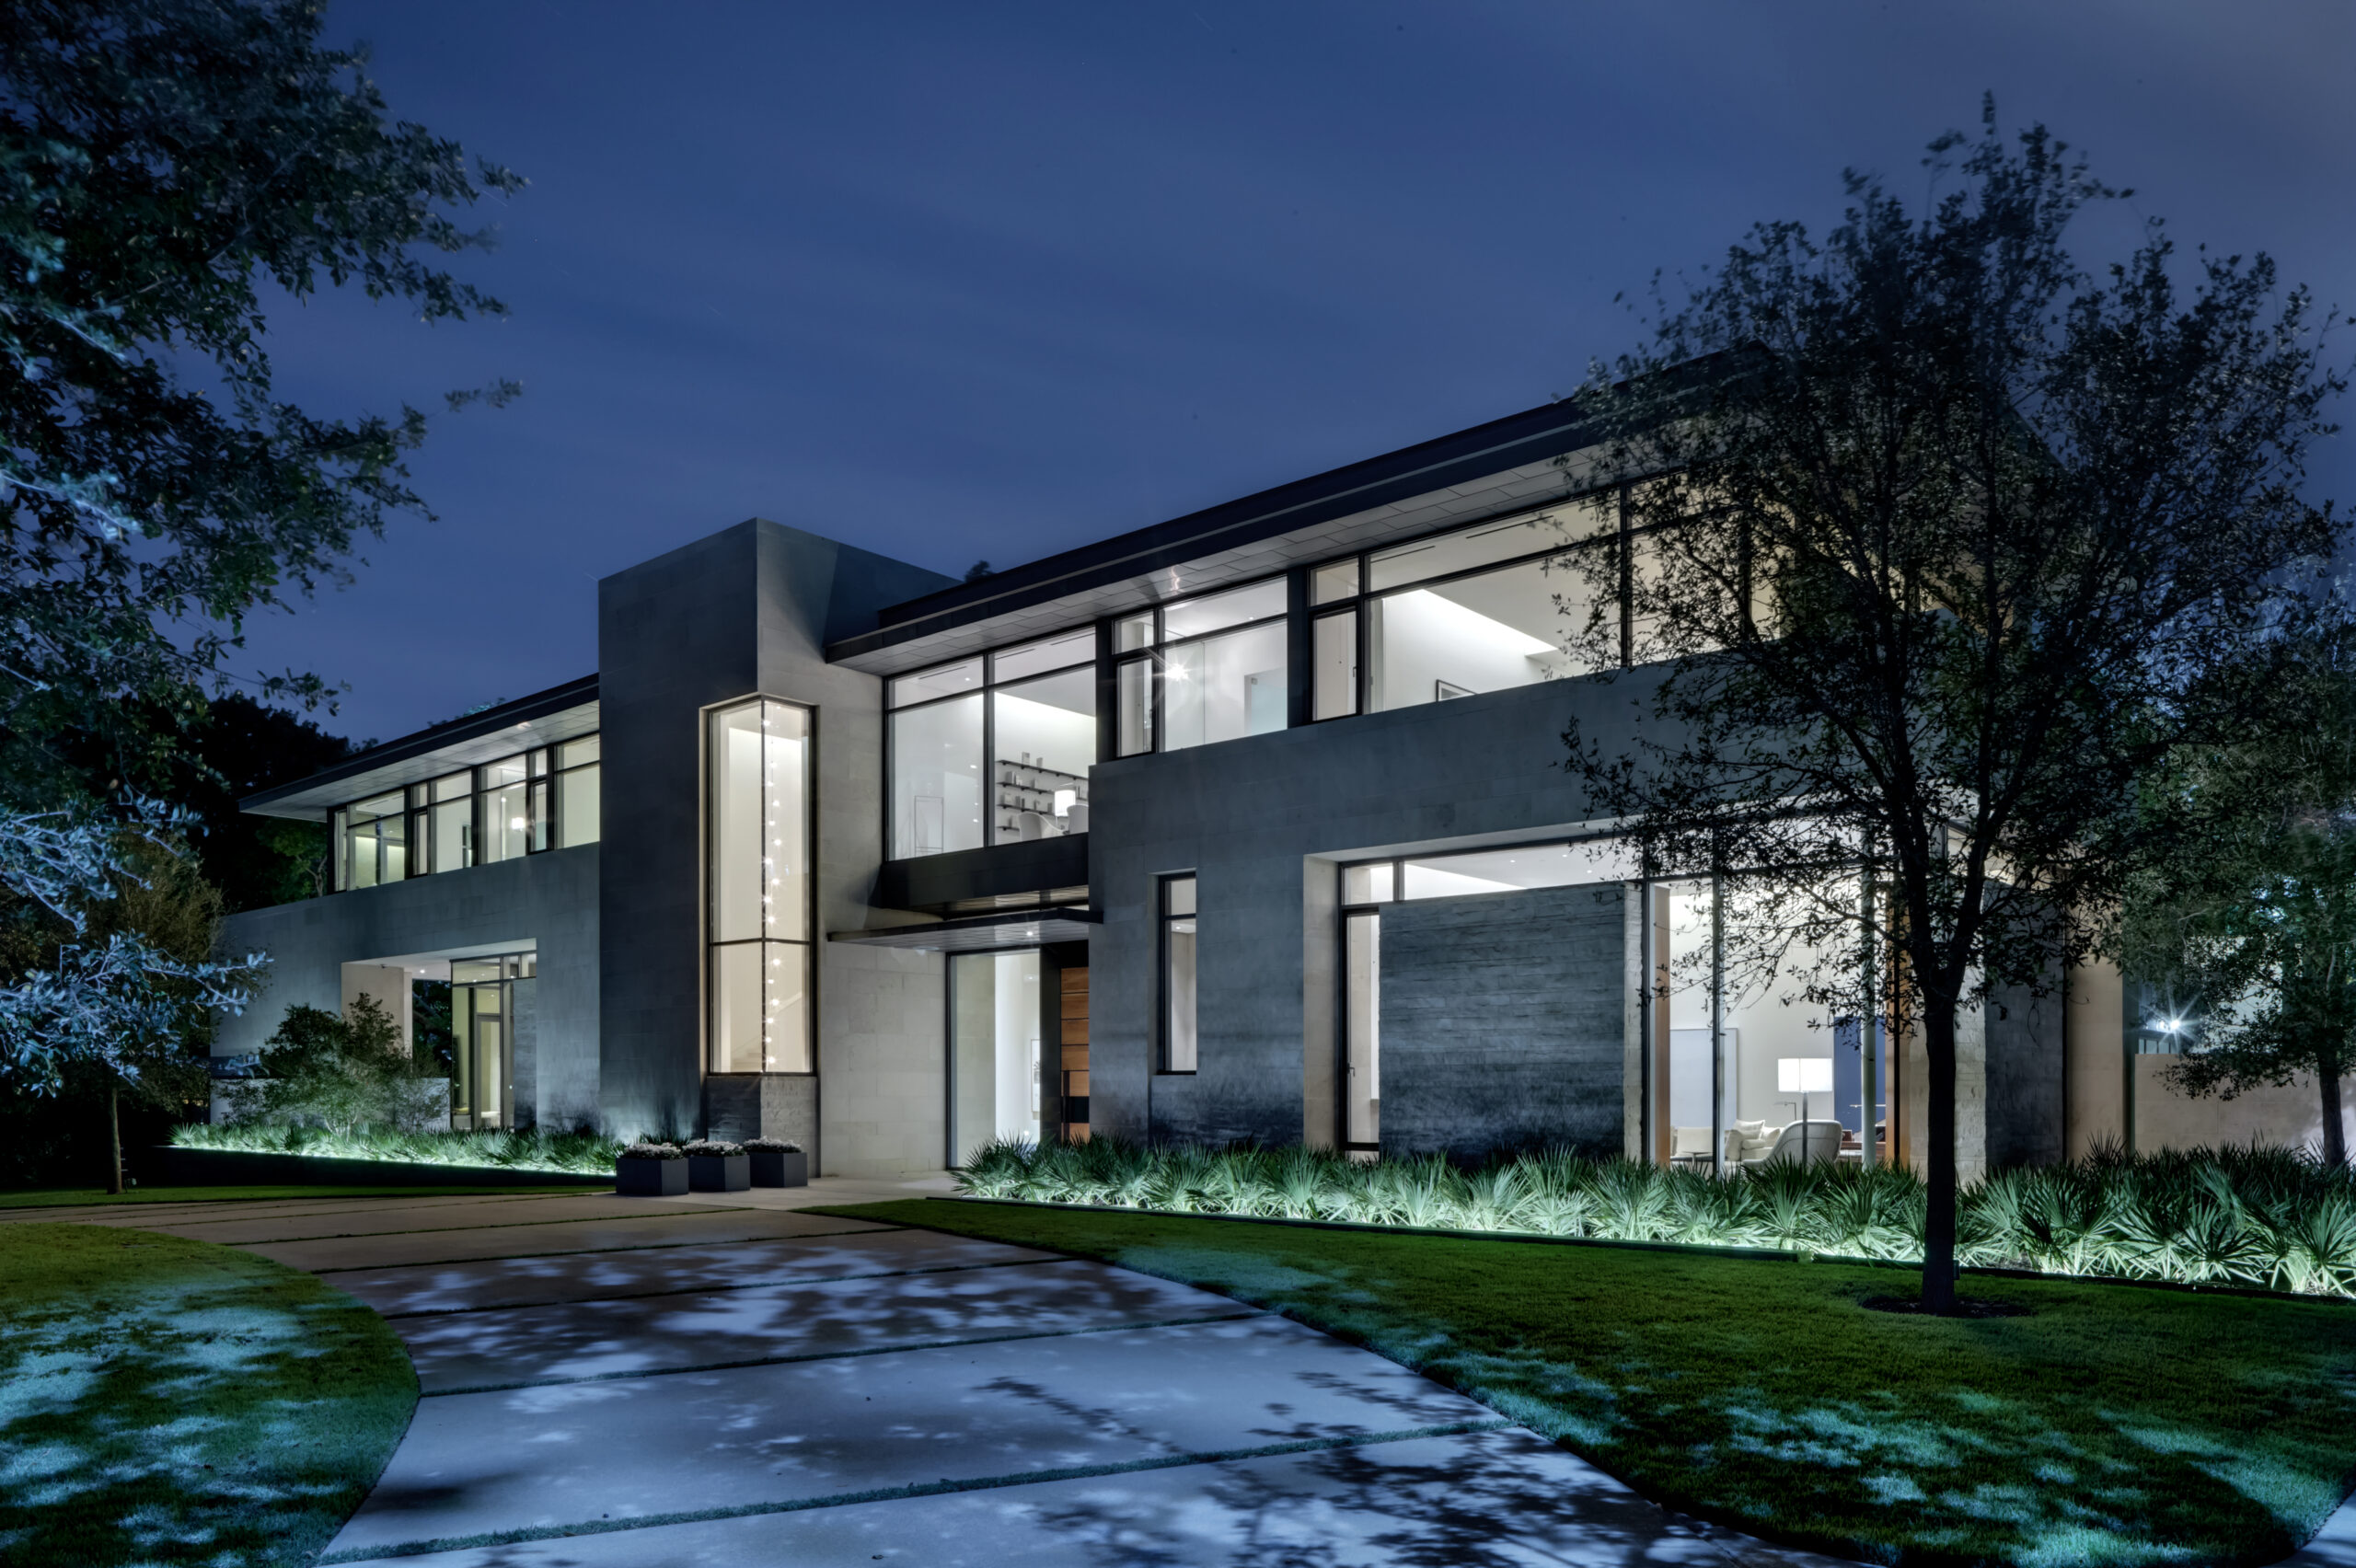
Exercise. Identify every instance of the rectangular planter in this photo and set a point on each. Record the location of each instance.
(650, 1178)
(776, 1168)
(719, 1172)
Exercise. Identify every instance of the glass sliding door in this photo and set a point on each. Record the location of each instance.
(994, 1050)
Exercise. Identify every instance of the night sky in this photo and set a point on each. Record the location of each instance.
(958, 280)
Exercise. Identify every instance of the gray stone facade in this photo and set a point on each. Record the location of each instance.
(1503, 1023)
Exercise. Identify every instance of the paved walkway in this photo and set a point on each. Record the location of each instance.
(655, 1383)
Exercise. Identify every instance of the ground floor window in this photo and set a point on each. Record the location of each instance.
(1179, 1041)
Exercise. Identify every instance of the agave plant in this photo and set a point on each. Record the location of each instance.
(1631, 1201)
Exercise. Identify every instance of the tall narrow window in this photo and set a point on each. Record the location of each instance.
(758, 870)
(1178, 1035)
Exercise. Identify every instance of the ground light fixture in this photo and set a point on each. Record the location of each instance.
(1804, 1076)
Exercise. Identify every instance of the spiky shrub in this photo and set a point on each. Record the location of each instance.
(574, 1153)
(2221, 1217)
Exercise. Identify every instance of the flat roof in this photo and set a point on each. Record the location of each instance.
(560, 714)
(1502, 465)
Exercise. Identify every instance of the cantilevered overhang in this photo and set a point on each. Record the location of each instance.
(560, 714)
(1491, 469)
(980, 933)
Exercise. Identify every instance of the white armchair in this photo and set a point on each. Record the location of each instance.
(1806, 1142)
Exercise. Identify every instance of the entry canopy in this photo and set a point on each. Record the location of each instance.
(980, 933)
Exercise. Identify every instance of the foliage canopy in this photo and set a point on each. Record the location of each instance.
(1939, 543)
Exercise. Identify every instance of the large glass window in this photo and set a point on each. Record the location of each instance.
(937, 777)
(378, 844)
(1221, 671)
(756, 825)
(506, 810)
(543, 799)
(1222, 688)
(995, 1018)
(1035, 726)
(1179, 1038)
(1501, 604)
(1045, 733)
(579, 793)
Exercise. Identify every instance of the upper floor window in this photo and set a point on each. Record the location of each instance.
(543, 799)
(1206, 669)
(1498, 605)
(994, 749)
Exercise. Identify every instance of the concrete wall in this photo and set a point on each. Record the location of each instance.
(1504, 1022)
(2095, 1103)
(745, 612)
(2289, 1115)
(546, 901)
(1260, 820)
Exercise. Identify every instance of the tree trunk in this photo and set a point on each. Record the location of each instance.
(1938, 1221)
(2335, 1137)
(114, 1140)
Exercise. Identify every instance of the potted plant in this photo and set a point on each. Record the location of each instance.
(717, 1166)
(651, 1170)
(778, 1162)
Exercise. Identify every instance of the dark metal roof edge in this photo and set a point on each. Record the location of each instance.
(1036, 915)
(523, 710)
(1411, 470)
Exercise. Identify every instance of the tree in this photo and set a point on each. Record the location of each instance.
(342, 1073)
(1940, 536)
(108, 958)
(2248, 898)
(162, 164)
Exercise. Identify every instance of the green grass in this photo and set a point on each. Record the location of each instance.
(171, 1401)
(2117, 1424)
(68, 1197)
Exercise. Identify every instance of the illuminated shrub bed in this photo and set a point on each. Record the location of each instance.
(571, 1153)
(2254, 1218)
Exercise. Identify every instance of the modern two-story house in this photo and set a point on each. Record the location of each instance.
(1248, 825)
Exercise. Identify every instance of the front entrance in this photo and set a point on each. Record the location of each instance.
(482, 1032)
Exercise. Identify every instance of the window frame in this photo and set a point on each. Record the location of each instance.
(706, 946)
(1164, 993)
(987, 688)
(543, 784)
(1361, 600)
(1154, 656)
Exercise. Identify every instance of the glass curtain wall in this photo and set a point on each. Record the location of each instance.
(757, 824)
(1755, 1070)
(544, 799)
(1181, 1041)
(994, 750)
(994, 1049)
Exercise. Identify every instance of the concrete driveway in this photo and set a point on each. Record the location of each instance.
(639, 1383)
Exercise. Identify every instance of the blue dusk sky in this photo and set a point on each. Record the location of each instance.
(952, 282)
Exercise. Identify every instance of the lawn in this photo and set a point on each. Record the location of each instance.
(171, 1401)
(2111, 1424)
